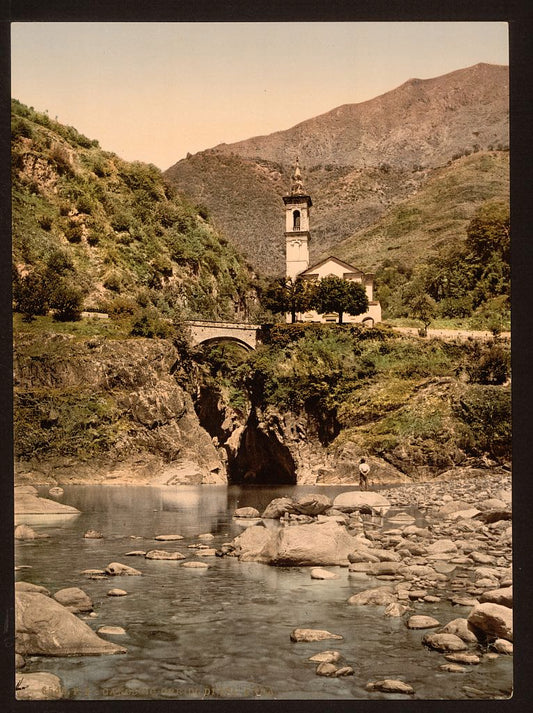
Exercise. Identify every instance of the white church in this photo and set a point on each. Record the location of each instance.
(297, 237)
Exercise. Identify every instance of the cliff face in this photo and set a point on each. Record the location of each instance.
(103, 410)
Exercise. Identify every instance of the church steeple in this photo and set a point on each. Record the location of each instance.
(297, 233)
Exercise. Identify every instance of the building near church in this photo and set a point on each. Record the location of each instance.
(297, 238)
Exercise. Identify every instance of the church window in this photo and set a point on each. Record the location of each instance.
(296, 220)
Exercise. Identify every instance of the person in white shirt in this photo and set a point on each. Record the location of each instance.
(364, 469)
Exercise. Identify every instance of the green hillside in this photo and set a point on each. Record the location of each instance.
(113, 232)
(437, 215)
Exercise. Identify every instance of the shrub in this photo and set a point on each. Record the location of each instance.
(113, 282)
(485, 412)
(74, 233)
(490, 365)
(67, 301)
(31, 295)
(149, 324)
(61, 157)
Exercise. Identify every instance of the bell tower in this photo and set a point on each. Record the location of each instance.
(297, 234)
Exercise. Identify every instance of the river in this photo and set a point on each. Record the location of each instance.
(223, 632)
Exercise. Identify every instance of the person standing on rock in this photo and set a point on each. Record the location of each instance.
(364, 469)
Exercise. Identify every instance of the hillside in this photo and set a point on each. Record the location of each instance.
(358, 161)
(115, 231)
(436, 215)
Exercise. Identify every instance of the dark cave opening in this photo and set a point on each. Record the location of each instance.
(261, 460)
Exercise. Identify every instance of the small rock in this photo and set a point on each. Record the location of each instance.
(112, 630)
(116, 568)
(25, 532)
(206, 536)
(313, 635)
(169, 538)
(452, 667)
(344, 671)
(395, 609)
(19, 661)
(320, 573)
(135, 553)
(117, 593)
(460, 628)
(195, 565)
(329, 656)
(380, 596)
(164, 555)
(74, 599)
(57, 491)
(326, 669)
(207, 552)
(390, 685)
(444, 642)
(246, 512)
(463, 657)
(502, 646)
(93, 535)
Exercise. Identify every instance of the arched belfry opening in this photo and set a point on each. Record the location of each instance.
(296, 220)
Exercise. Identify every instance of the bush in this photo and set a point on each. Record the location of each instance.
(489, 365)
(67, 301)
(31, 295)
(74, 233)
(113, 282)
(485, 412)
(149, 324)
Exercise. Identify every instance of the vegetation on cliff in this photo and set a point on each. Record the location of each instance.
(95, 232)
(404, 399)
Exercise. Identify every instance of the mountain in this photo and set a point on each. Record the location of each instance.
(114, 229)
(358, 161)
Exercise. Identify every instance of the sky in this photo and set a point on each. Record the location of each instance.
(154, 92)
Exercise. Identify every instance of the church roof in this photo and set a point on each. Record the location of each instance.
(346, 266)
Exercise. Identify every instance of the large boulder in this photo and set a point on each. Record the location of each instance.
(27, 503)
(312, 504)
(38, 686)
(25, 532)
(250, 544)
(494, 620)
(356, 499)
(503, 596)
(461, 628)
(319, 544)
(43, 627)
(74, 599)
(278, 507)
(29, 587)
(246, 512)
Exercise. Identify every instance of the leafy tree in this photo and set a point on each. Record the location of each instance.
(288, 295)
(489, 232)
(424, 308)
(333, 294)
(30, 294)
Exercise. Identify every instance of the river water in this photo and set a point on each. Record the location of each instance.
(223, 632)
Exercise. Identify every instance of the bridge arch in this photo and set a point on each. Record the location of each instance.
(225, 340)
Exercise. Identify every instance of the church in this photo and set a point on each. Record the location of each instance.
(297, 238)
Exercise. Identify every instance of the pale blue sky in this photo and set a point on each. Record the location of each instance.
(155, 91)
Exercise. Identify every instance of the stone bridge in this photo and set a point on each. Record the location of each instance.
(242, 333)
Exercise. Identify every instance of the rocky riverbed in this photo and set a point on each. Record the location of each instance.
(398, 568)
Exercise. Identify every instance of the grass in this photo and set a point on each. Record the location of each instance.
(86, 327)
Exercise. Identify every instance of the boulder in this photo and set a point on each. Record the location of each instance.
(112, 630)
(384, 568)
(461, 628)
(250, 544)
(246, 512)
(379, 596)
(43, 627)
(356, 499)
(503, 596)
(502, 646)
(321, 544)
(444, 642)
(312, 504)
(164, 555)
(116, 569)
(326, 669)
(463, 657)
(493, 620)
(418, 621)
(490, 516)
(441, 546)
(26, 503)
(117, 593)
(278, 507)
(312, 635)
(195, 564)
(395, 609)
(39, 686)
(29, 587)
(25, 532)
(169, 538)
(453, 506)
(74, 599)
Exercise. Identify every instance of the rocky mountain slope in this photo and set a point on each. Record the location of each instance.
(359, 161)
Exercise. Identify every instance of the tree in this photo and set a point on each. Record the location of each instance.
(286, 294)
(333, 294)
(30, 295)
(424, 308)
(488, 232)
(67, 301)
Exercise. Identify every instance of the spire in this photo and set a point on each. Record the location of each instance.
(297, 188)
